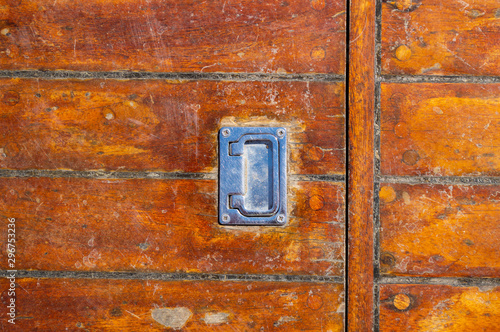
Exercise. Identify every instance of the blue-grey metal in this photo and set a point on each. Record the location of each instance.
(252, 176)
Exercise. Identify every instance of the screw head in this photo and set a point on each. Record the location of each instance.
(281, 219)
(225, 218)
(226, 132)
(281, 132)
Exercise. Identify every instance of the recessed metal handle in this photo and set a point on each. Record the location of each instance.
(252, 176)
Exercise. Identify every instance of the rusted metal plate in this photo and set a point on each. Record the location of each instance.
(440, 230)
(160, 125)
(441, 37)
(154, 305)
(439, 308)
(167, 226)
(440, 129)
(272, 36)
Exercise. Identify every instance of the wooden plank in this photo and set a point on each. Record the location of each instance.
(159, 125)
(272, 36)
(439, 308)
(440, 230)
(168, 226)
(361, 167)
(153, 305)
(441, 37)
(440, 129)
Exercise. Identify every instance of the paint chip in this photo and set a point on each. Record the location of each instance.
(284, 320)
(174, 318)
(216, 318)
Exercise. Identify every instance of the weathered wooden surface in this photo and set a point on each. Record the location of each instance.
(171, 36)
(440, 129)
(439, 308)
(159, 125)
(440, 230)
(138, 305)
(361, 167)
(166, 225)
(437, 37)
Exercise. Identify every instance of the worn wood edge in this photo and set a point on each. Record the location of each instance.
(360, 184)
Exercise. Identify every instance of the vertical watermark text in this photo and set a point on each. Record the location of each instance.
(11, 262)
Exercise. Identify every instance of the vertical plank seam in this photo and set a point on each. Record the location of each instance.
(377, 161)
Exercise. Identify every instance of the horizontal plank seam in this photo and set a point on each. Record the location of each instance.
(439, 79)
(450, 281)
(459, 180)
(189, 76)
(171, 276)
(33, 173)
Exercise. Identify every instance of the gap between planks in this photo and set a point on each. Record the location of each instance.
(443, 180)
(171, 276)
(182, 76)
(34, 173)
(447, 281)
(438, 79)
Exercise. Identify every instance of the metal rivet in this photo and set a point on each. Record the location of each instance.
(281, 132)
(226, 218)
(225, 133)
(281, 219)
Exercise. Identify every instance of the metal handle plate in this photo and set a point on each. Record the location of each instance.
(252, 176)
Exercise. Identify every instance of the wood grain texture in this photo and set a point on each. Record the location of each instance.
(440, 308)
(272, 36)
(138, 305)
(440, 129)
(167, 226)
(440, 230)
(441, 37)
(166, 126)
(361, 165)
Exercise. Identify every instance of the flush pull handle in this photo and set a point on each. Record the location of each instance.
(252, 176)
